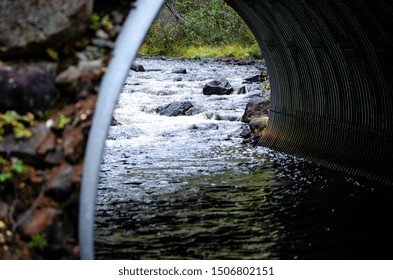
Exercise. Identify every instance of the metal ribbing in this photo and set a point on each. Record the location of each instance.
(332, 96)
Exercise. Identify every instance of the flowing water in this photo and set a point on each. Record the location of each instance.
(186, 187)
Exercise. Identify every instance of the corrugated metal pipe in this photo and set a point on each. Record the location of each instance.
(330, 65)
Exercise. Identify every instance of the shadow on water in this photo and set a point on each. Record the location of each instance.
(265, 213)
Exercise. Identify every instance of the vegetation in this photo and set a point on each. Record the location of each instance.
(11, 120)
(8, 169)
(38, 241)
(198, 29)
(62, 121)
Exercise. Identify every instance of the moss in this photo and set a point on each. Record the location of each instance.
(205, 51)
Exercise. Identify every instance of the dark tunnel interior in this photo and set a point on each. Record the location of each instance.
(330, 68)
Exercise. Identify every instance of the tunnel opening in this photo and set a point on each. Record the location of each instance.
(200, 29)
(329, 74)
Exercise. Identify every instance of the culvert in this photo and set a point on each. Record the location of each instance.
(330, 69)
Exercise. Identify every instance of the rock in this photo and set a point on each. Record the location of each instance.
(39, 221)
(253, 93)
(256, 107)
(226, 116)
(179, 71)
(176, 109)
(137, 67)
(69, 76)
(246, 133)
(258, 124)
(102, 34)
(90, 66)
(59, 182)
(253, 79)
(69, 79)
(25, 88)
(73, 144)
(49, 144)
(28, 147)
(242, 90)
(192, 111)
(204, 126)
(32, 26)
(222, 87)
(102, 43)
(114, 122)
(56, 156)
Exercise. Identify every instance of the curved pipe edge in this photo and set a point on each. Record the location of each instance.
(130, 39)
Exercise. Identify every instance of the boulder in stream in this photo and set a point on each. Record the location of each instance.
(222, 87)
(253, 79)
(179, 71)
(137, 67)
(176, 108)
(256, 107)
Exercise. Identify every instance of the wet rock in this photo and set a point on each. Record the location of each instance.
(192, 111)
(253, 79)
(225, 116)
(257, 125)
(59, 182)
(73, 144)
(256, 107)
(176, 109)
(245, 133)
(114, 122)
(222, 87)
(137, 67)
(179, 71)
(242, 90)
(25, 88)
(204, 126)
(39, 221)
(32, 26)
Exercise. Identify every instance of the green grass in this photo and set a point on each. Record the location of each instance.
(200, 52)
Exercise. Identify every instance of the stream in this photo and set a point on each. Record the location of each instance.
(186, 187)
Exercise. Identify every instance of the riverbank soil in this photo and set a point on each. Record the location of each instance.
(48, 93)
